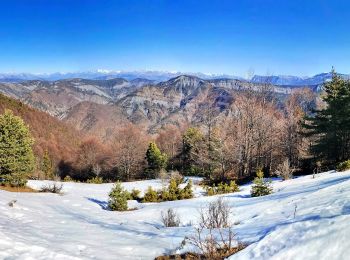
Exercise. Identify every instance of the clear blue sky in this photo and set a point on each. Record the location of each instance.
(267, 36)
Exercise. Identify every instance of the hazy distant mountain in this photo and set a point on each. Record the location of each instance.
(159, 76)
(155, 76)
(296, 81)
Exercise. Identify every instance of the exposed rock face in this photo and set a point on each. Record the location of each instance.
(99, 106)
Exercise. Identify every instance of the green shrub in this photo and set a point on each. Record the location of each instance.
(135, 194)
(261, 187)
(343, 166)
(164, 195)
(210, 190)
(174, 190)
(151, 195)
(187, 193)
(118, 198)
(233, 186)
(95, 180)
(68, 178)
(170, 193)
(222, 188)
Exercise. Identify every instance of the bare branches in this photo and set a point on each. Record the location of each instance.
(170, 218)
(214, 236)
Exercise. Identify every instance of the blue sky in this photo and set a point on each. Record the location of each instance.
(234, 37)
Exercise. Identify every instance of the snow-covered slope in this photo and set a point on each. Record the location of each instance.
(305, 218)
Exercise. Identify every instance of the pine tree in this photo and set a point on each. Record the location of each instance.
(16, 154)
(261, 187)
(213, 155)
(47, 166)
(155, 159)
(192, 147)
(331, 125)
(118, 198)
(174, 190)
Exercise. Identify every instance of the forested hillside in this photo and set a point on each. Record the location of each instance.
(51, 135)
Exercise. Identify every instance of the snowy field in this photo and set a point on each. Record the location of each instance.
(304, 219)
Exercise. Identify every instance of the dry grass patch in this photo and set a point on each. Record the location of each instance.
(17, 189)
(194, 256)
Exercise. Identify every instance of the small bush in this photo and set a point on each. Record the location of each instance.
(186, 192)
(53, 188)
(135, 194)
(214, 236)
(151, 195)
(170, 218)
(210, 190)
(216, 214)
(164, 195)
(174, 190)
(343, 166)
(284, 170)
(170, 193)
(118, 198)
(95, 180)
(68, 179)
(222, 188)
(261, 187)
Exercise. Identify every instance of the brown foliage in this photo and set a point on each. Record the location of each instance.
(169, 141)
(91, 159)
(49, 133)
(128, 151)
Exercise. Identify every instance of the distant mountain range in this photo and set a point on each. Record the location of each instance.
(97, 106)
(158, 76)
(296, 81)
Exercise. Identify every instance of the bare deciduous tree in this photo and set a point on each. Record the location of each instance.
(129, 149)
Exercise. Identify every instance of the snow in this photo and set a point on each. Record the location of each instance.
(305, 218)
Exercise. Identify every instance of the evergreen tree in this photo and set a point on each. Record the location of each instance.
(118, 198)
(47, 166)
(155, 159)
(186, 192)
(261, 187)
(174, 190)
(213, 155)
(16, 154)
(331, 125)
(192, 146)
(150, 195)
